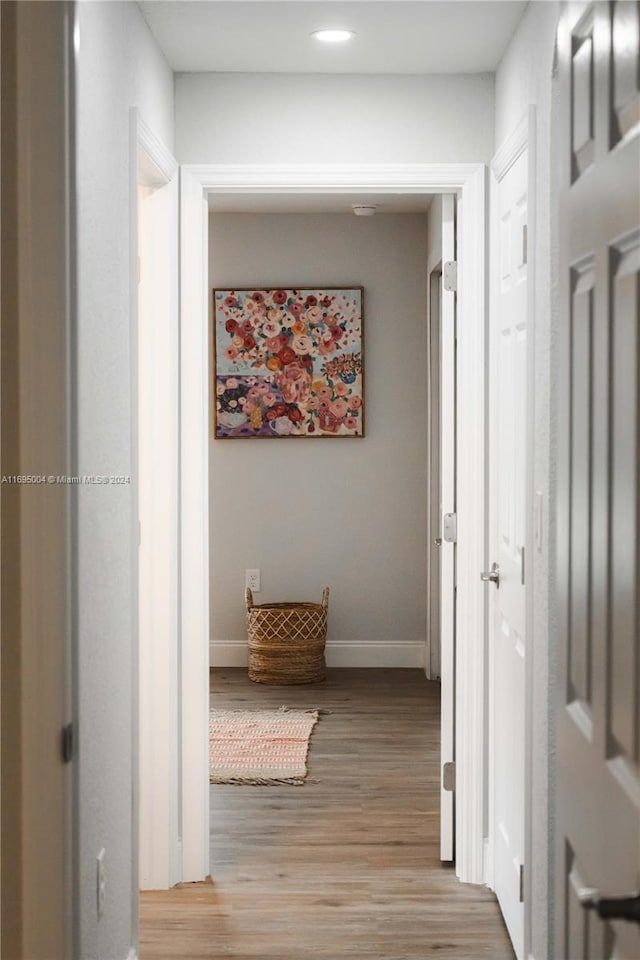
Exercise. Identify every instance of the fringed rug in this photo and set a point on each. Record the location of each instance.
(260, 747)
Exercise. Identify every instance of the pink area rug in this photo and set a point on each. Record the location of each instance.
(261, 747)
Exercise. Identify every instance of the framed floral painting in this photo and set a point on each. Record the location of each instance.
(289, 362)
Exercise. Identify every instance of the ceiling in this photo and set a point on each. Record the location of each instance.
(316, 203)
(392, 36)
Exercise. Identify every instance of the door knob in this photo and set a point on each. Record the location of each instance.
(612, 908)
(493, 576)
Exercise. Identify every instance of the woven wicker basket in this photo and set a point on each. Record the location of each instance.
(287, 640)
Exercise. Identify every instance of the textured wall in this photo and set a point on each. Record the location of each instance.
(119, 67)
(347, 513)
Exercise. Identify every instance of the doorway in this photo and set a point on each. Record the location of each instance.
(468, 181)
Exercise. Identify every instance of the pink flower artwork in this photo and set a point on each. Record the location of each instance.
(288, 362)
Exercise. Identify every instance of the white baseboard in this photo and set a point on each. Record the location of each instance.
(233, 653)
(403, 654)
(228, 653)
(488, 863)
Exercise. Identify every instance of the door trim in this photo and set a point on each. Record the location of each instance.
(446, 503)
(515, 144)
(193, 482)
(155, 695)
(469, 182)
(432, 657)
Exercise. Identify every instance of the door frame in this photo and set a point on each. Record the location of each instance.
(432, 664)
(447, 504)
(468, 181)
(523, 137)
(155, 693)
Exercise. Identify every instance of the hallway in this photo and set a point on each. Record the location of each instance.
(346, 866)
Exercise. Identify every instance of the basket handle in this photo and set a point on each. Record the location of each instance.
(325, 597)
(248, 596)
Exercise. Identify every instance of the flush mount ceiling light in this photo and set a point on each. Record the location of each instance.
(364, 209)
(333, 36)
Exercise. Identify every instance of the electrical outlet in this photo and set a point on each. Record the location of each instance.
(252, 580)
(101, 882)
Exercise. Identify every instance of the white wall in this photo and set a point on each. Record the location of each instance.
(350, 514)
(287, 118)
(119, 66)
(523, 78)
(434, 232)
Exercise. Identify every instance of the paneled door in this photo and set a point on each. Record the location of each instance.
(598, 709)
(506, 578)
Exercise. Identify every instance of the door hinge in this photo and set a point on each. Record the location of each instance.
(450, 527)
(450, 275)
(66, 743)
(522, 883)
(449, 776)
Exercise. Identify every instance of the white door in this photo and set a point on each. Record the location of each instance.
(598, 520)
(507, 635)
(445, 537)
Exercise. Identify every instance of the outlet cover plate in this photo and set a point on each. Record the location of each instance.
(252, 580)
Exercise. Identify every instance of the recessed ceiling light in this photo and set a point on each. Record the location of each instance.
(333, 36)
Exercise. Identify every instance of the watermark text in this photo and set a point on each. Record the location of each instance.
(60, 478)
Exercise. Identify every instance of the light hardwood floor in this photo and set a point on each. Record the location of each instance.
(345, 866)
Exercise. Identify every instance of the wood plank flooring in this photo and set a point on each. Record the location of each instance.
(347, 865)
